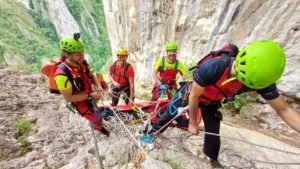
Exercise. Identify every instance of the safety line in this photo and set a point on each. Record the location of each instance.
(254, 144)
(135, 140)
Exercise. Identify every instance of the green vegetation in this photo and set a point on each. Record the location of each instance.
(146, 95)
(25, 36)
(45, 27)
(24, 126)
(173, 164)
(239, 102)
(95, 38)
(102, 157)
(190, 72)
(2, 63)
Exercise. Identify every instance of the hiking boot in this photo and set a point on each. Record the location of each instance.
(105, 132)
(214, 163)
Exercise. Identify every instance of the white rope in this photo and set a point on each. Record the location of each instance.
(96, 147)
(208, 133)
(254, 144)
(131, 101)
(180, 110)
(131, 135)
(259, 161)
(140, 111)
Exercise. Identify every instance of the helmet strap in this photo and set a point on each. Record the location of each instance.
(229, 80)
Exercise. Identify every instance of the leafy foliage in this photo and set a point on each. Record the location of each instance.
(96, 37)
(239, 102)
(24, 126)
(173, 164)
(45, 26)
(29, 38)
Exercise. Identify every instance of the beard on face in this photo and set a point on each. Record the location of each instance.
(80, 61)
(76, 60)
(172, 57)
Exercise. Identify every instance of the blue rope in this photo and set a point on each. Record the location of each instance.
(172, 109)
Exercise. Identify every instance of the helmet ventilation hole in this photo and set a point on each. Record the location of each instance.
(243, 54)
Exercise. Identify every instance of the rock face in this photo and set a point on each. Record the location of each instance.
(57, 12)
(199, 26)
(59, 15)
(62, 139)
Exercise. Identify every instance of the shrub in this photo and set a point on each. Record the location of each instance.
(239, 102)
(24, 126)
(173, 164)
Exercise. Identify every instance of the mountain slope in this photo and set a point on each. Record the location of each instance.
(26, 38)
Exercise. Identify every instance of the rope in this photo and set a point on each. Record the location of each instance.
(93, 133)
(208, 133)
(179, 111)
(131, 135)
(187, 152)
(231, 138)
(254, 144)
(135, 108)
(96, 147)
(214, 134)
(156, 110)
(138, 160)
(276, 163)
(131, 101)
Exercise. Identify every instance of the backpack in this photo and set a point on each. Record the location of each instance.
(164, 63)
(124, 71)
(50, 69)
(227, 52)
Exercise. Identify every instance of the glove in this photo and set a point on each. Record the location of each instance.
(163, 87)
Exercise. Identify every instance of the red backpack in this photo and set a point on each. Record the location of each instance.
(227, 51)
(49, 71)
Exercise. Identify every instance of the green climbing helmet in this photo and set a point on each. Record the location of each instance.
(260, 64)
(71, 45)
(171, 46)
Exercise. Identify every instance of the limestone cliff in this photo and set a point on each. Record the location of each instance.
(199, 26)
(60, 18)
(57, 12)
